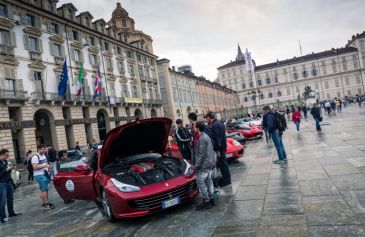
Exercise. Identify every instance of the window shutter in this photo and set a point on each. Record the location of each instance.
(10, 12)
(40, 45)
(13, 39)
(26, 42)
(38, 22)
(98, 60)
(63, 51)
(23, 17)
(81, 56)
(51, 48)
(90, 61)
(73, 54)
(69, 34)
(60, 28)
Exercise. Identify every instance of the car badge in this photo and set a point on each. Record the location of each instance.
(170, 195)
(166, 184)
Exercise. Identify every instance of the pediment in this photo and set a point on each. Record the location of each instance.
(32, 31)
(57, 38)
(37, 65)
(93, 50)
(77, 45)
(58, 69)
(6, 23)
(9, 60)
(111, 77)
(119, 58)
(108, 54)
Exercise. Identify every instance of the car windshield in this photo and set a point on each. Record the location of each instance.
(74, 152)
(243, 126)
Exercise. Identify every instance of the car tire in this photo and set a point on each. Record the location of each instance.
(107, 208)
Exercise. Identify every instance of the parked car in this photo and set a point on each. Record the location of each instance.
(235, 149)
(253, 121)
(129, 176)
(236, 136)
(75, 154)
(248, 132)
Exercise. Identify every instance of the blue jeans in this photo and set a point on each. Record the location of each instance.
(318, 126)
(6, 196)
(297, 124)
(204, 181)
(276, 138)
(223, 166)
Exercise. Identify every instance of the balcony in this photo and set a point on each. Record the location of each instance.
(46, 96)
(120, 100)
(6, 50)
(13, 95)
(101, 99)
(152, 101)
(36, 56)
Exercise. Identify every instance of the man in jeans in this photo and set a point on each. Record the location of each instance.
(218, 135)
(316, 113)
(6, 188)
(41, 167)
(273, 129)
(204, 165)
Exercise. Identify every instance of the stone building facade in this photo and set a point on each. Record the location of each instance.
(183, 92)
(333, 73)
(36, 36)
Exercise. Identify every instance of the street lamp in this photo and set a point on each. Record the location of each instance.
(253, 95)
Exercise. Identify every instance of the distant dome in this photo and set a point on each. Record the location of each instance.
(119, 11)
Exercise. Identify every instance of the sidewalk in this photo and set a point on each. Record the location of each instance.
(320, 192)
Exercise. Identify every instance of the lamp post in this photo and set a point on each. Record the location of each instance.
(253, 95)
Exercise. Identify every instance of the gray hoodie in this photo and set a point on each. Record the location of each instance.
(204, 153)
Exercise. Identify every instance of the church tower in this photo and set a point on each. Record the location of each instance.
(240, 55)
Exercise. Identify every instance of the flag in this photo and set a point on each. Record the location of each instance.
(248, 60)
(97, 84)
(62, 85)
(80, 82)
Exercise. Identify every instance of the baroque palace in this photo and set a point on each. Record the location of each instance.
(36, 37)
(333, 73)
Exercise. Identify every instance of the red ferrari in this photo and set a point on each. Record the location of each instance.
(129, 176)
(248, 132)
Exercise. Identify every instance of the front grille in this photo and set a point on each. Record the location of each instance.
(156, 201)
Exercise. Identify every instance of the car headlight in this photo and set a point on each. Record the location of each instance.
(189, 170)
(125, 188)
(236, 143)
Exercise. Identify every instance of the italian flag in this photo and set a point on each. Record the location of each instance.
(80, 82)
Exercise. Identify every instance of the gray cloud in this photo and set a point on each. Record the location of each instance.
(204, 33)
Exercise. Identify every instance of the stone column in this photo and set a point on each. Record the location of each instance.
(78, 129)
(6, 140)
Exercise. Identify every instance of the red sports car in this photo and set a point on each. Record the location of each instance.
(234, 149)
(130, 176)
(248, 132)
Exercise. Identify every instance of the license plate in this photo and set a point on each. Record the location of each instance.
(229, 155)
(170, 203)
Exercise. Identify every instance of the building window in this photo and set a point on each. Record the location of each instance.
(347, 81)
(109, 63)
(57, 50)
(93, 59)
(276, 80)
(279, 93)
(119, 50)
(5, 37)
(268, 81)
(121, 67)
(246, 99)
(3, 10)
(344, 65)
(37, 76)
(129, 54)
(314, 72)
(338, 94)
(92, 41)
(10, 86)
(359, 91)
(305, 74)
(348, 92)
(124, 90)
(124, 23)
(259, 82)
(316, 85)
(139, 58)
(295, 76)
(326, 85)
(358, 80)
(50, 6)
(287, 91)
(270, 94)
(30, 20)
(251, 84)
(33, 44)
(106, 46)
(77, 54)
(75, 35)
(355, 65)
(328, 96)
(336, 83)
(324, 70)
(243, 85)
(262, 96)
(55, 28)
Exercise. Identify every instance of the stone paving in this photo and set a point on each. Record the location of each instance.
(320, 192)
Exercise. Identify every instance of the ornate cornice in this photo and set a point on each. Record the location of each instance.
(6, 23)
(93, 50)
(119, 58)
(108, 54)
(32, 31)
(57, 38)
(77, 45)
(9, 60)
(37, 65)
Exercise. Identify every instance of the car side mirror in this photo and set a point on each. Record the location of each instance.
(82, 168)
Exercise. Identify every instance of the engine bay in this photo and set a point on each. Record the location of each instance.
(145, 169)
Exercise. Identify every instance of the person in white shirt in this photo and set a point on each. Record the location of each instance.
(41, 175)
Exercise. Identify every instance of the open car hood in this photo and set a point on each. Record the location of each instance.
(143, 136)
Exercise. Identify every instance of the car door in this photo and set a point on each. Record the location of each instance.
(75, 180)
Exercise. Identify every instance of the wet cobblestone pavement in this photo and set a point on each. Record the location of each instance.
(320, 192)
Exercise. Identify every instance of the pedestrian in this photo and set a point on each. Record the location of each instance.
(183, 139)
(358, 100)
(77, 146)
(41, 175)
(287, 113)
(338, 105)
(204, 167)
(305, 112)
(316, 113)
(333, 106)
(30, 167)
(93, 145)
(63, 159)
(218, 135)
(6, 188)
(265, 127)
(296, 116)
(275, 127)
(51, 156)
(194, 135)
(327, 105)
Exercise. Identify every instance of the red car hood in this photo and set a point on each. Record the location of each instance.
(143, 136)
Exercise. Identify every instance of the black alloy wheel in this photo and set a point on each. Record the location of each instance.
(107, 209)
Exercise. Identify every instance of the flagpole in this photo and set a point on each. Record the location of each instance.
(105, 77)
(69, 56)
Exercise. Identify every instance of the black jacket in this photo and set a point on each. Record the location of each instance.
(316, 113)
(183, 139)
(52, 155)
(218, 135)
(4, 174)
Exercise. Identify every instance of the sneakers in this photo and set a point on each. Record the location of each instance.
(15, 214)
(204, 205)
(5, 221)
(47, 206)
(284, 161)
(212, 202)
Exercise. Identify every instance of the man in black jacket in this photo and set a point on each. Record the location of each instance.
(183, 139)
(316, 113)
(218, 135)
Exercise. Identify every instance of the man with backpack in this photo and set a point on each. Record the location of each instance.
(276, 126)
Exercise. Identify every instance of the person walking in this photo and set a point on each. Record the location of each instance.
(275, 124)
(287, 113)
(218, 135)
(358, 100)
(327, 105)
(305, 111)
(204, 167)
(30, 167)
(316, 113)
(265, 127)
(41, 175)
(77, 146)
(183, 139)
(6, 188)
(338, 105)
(296, 116)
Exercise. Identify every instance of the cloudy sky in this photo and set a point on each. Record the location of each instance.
(205, 33)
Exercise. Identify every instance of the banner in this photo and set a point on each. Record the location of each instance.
(248, 59)
(134, 100)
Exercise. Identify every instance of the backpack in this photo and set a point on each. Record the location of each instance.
(280, 122)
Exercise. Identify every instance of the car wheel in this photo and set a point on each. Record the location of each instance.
(107, 208)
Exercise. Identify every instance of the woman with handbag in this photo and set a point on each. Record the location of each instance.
(296, 116)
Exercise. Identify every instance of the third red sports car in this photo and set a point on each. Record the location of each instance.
(248, 132)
